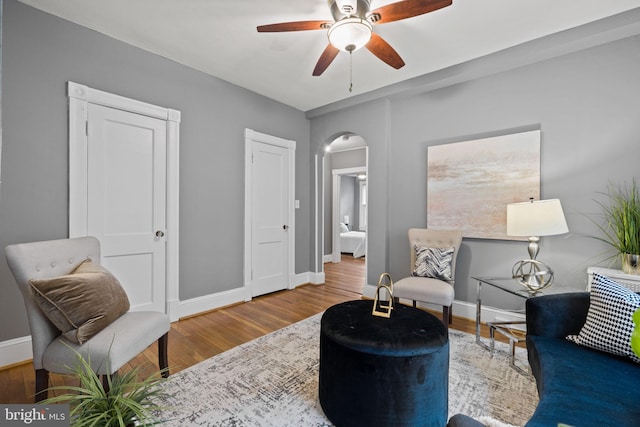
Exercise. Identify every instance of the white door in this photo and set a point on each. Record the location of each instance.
(270, 218)
(126, 203)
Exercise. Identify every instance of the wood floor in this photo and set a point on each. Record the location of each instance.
(197, 338)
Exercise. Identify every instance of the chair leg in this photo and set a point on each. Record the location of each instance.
(446, 315)
(105, 381)
(450, 314)
(415, 304)
(163, 356)
(42, 384)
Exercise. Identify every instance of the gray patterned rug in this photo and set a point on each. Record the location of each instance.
(272, 381)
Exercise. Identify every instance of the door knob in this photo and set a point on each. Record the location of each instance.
(159, 233)
(285, 227)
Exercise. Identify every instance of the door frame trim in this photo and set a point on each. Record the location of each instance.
(252, 136)
(80, 96)
(335, 211)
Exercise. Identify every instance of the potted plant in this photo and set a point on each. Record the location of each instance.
(129, 401)
(622, 227)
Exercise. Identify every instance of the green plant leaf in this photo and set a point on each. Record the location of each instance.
(129, 401)
(621, 229)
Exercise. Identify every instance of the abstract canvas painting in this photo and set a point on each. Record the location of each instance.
(470, 183)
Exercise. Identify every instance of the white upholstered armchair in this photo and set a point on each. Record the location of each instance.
(432, 278)
(111, 347)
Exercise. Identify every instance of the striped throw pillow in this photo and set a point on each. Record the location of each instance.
(433, 262)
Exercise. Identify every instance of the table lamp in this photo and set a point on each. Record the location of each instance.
(535, 219)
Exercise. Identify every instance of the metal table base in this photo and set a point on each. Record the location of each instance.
(503, 328)
(514, 336)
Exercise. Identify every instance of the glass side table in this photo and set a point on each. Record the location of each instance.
(509, 329)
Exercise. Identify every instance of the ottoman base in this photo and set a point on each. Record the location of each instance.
(383, 372)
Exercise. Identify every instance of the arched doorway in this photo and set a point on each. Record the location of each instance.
(344, 199)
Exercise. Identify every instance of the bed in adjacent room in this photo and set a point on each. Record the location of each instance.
(353, 242)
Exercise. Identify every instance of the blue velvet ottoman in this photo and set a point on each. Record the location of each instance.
(383, 372)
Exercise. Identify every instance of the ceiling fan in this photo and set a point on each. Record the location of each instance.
(352, 28)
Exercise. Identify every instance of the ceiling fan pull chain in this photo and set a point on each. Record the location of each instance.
(350, 70)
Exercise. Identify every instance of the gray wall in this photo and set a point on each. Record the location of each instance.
(41, 53)
(368, 120)
(1, 78)
(350, 201)
(587, 105)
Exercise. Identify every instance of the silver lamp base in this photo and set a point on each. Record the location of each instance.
(532, 274)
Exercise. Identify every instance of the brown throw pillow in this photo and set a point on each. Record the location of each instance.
(82, 303)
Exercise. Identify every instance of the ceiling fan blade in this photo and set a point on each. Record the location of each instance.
(407, 9)
(326, 59)
(294, 26)
(384, 51)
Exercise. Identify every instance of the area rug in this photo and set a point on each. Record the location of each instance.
(272, 381)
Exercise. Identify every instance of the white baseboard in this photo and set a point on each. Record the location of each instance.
(173, 310)
(308, 277)
(487, 314)
(462, 309)
(297, 280)
(204, 303)
(15, 351)
(327, 258)
(316, 278)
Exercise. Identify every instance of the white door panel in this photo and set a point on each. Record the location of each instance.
(134, 269)
(270, 218)
(126, 160)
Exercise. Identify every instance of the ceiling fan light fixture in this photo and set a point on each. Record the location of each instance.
(350, 34)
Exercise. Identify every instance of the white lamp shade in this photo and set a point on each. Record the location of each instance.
(536, 218)
(350, 34)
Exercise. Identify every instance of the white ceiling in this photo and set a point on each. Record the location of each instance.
(347, 142)
(219, 37)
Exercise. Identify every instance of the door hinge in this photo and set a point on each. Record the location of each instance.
(86, 128)
(252, 157)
